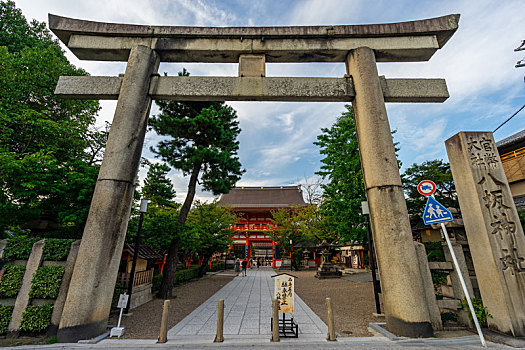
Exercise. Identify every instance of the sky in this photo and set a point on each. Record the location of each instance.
(276, 141)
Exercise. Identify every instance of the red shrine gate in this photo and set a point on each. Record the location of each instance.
(252, 237)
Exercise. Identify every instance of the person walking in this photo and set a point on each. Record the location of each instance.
(244, 264)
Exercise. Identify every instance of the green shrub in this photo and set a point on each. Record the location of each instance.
(186, 274)
(5, 317)
(19, 248)
(479, 309)
(11, 281)
(57, 249)
(438, 277)
(46, 282)
(434, 251)
(157, 281)
(36, 319)
(448, 316)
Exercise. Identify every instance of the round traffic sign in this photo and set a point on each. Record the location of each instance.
(426, 187)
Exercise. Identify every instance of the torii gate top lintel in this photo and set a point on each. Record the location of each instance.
(407, 41)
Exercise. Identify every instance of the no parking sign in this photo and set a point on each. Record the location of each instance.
(426, 187)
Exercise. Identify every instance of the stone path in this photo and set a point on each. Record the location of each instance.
(247, 312)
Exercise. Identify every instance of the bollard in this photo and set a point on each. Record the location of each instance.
(219, 338)
(163, 337)
(331, 330)
(275, 321)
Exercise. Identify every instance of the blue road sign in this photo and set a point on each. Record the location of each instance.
(435, 212)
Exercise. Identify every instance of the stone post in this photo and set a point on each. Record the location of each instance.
(406, 311)
(433, 308)
(64, 287)
(464, 314)
(88, 301)
(22, 299)
(494, 232)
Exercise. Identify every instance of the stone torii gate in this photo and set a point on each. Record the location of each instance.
(360, 46)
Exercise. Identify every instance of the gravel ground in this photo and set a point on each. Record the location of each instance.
(144, 323)
(352, 300)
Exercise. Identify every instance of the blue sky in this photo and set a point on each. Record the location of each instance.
(276, 139)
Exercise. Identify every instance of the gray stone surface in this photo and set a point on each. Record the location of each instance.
(64, 288)
(494, 232)
(405, 305)
(299, 89)
(405, 41)
(247, 311)
(22, 299)
(463, 314)
(88, 301)
(252, 66)
(3, 244)
(430, 296)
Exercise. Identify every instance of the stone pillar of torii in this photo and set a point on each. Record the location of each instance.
(143, 47)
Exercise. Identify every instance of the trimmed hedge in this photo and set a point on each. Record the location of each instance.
(19, 248)
(11, 281)
(46, 282)
(36, 318)
(5, 317)
(56, 249)
(186, 274)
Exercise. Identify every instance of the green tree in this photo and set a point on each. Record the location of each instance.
(212, 227)
(436, 170)
(344, 190)
(157, 187)
(201, 141)
(46, 167)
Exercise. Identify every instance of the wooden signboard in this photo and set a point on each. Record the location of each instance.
(284, 292)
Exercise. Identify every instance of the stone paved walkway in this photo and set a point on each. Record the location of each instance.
(247, 312)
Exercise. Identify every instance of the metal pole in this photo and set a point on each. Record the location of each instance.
(372, 265)
(465, 290)
(134, 263)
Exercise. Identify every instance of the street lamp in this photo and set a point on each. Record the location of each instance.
(143, 208)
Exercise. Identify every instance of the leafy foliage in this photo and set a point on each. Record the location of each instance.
(481, 311)
(434, 251)
(45, 167)
(36, 319)
(11, 281)
(56, 249)
(437, 171)
(46, 282)
(5, 317)
(344, 191)
(212, 227)
(19, 248)
(157, 187)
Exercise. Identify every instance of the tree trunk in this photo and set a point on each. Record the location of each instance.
(166, 288)
(205, 262)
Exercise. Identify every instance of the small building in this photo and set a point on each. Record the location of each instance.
(251, 238)
(148, 262)
(512, 154)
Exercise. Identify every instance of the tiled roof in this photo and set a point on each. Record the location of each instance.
(263, 197)
(515, 138)
(145, 252)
